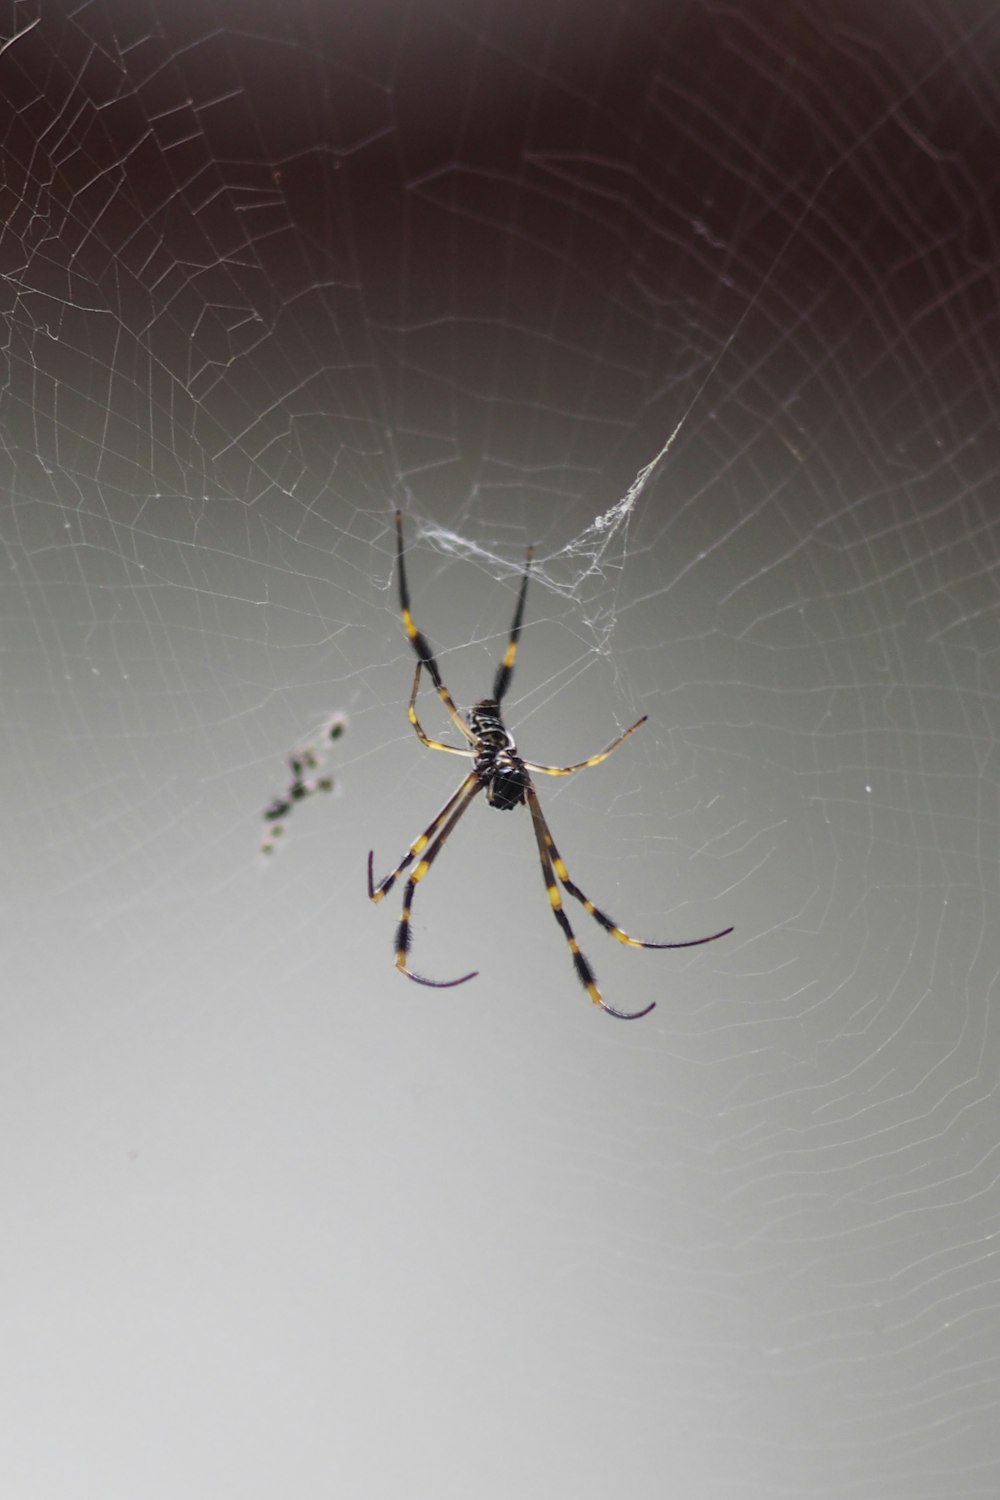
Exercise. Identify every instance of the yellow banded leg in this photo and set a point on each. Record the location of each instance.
(464, 797)
(505, 670)
(584, 972)
(411, 714)
(602, 917)
(595, 760)
(376, 892)
(418, 640)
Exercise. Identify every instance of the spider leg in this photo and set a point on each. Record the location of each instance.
(595, 760)
(418, 640)
(584, 972)
(601, 917)
(469, 789)
(505, 670)
(411, 713)
(376, 892)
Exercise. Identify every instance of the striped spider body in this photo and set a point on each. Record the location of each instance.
(497, 764)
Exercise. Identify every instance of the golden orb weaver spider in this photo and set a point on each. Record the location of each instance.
(504, 776)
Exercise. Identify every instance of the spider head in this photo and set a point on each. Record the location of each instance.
(505, 783)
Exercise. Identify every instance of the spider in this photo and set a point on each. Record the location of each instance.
(505, 777)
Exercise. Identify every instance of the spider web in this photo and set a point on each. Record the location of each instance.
(701, 301)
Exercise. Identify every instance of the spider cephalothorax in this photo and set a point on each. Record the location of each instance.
(505, 776)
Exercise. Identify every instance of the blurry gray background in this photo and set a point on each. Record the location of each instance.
(276, 1221)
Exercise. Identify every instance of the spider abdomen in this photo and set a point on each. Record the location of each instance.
(488, 728)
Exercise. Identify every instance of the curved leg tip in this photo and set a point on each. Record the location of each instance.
(627, 1015)
(692, 942)
(437, 984)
